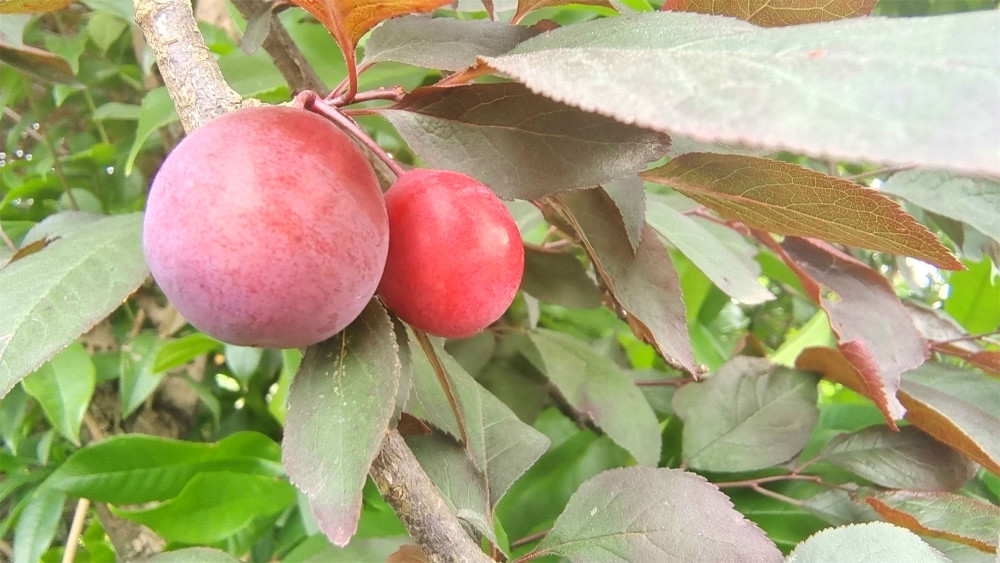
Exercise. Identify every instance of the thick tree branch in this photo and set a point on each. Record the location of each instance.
(200, 94)
(419, 505)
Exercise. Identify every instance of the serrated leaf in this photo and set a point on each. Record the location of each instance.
(629, 196)
(775, 13)
(956, 406)
(875, 333)
(975, 201)
(63, 387)
(213, 506)
(500, 446)
(787, 199)
(193, 555)
(708, 253)
(37, 523)
(749, 415)
(55, 295)
(942, 515)
(441, 43)
(520, 144)
(136, 468)
(559, 278)
(139, 377)
(884, 90)
(874, 542)
(644, 283)
(524, 7)
(596, 387)
(907, 459)
(638, 514)
(946, 337)
(339, 407)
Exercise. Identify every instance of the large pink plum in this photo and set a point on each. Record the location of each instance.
(266, 227)
(455, 258)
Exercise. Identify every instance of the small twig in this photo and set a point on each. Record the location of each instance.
(392, 94)
(75, 530)
(676, 382)
(6, 550)
(774, 495)
(879, 172)
(529, 539)
(347, 90)
(6, 240)
(772, 479)
(30, 131)
(442, 376)
(965, 337)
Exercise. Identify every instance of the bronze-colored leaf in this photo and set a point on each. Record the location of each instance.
(835, 367)
(787, 199)
(43, 64)
(941, 515)
(945, 336)
(776, 13)
(32, 6)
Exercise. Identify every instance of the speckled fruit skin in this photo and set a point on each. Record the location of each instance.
(266, 227)
(455, 254)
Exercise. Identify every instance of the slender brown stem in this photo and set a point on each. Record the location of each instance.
(75, 530)
(965, 337)
(442, 376)
(879, 172)
(313, 102)
(772, 479)
(779, 496)
(6, 240)
(393, 94)
(677, 382)
(528, 539)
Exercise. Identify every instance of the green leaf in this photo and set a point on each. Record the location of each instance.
(135, 468)
(193, 555)
(974, 297)
(157, 111)
(181, 351)
(905, 91)
(139, 377)
(441, 43)
(907, 459)
(339, 407)
(213, 506)
(640, 514)
(787, 199)
(117, 110)
(558, 278)
(518, 143)
(708, 253)
(874, 542)
(243, 361)
(104, 29)
(975, 201)
(596, 387)
(63, 386)
(53, 296)
(949, 516)
(36, 526)
(750, 414)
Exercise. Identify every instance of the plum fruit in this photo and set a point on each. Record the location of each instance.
(455, 254)
(266, 227)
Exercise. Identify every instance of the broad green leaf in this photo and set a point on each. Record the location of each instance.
(181, 351)
(63, 387)
(907, 459)
(874, 542)
(903, 91)
(974, 297)
(558, 278)
(139, 377)
(957, 407)
(640, 514)
(117, 110)
(339, 406)
(629, 195)
(213, 506)
(599, 389)
(441, 43)
(644, 283)
(787, 199)
(520, 144)
(37, 524)
(708, 253)
(193, 555)
(55, 295)
(500, 446)
(768, 13)
(157, 111)
(104, 29)
(748, 415)
(975, 201)
(815, 332)
(136, 468)
(943, 515)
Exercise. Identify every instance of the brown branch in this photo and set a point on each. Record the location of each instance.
(286, 55)
(418, 503)
(200, 94)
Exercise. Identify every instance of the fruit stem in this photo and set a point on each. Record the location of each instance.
(312, 102)
(442, 376)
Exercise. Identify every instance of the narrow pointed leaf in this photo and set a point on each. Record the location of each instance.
(749, 415)
(645, 283)
(874, 542)
(339, 407)
(138, 376)
(787, 199)
(63, 387)
(598, 388)
(37, 524)
(776, 13)
(907, 459)
(640, 514)
(53, 296)
(520, 144)
(903, 90)
(975, 201)
(941, 515)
